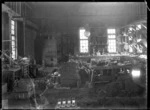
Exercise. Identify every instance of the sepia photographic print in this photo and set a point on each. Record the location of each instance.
(74, 55)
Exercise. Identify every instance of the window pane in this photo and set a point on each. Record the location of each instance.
(13, 47)
(13, 43)
(111, 31)
(112, 45)
(83, 46)
(82, 34)
(13, 56)
(12, 32)
(111, 36)
(13, 52)
(13, 37)
(12, 22)
(12, 27)
(112, 41)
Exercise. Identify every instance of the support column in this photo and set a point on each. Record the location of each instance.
(10, 46)
(24, 28)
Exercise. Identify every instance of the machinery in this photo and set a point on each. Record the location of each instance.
(135, 72)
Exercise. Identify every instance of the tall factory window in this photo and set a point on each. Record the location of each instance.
(83, 42)
(111, 40)
(13, 40)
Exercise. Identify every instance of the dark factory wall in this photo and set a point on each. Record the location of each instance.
(20, 38)
(30, 35)
(5, 33)
(64, 43)
(5, 25)
(74, 15)
(38, 48)
(25, 36)
(63, 19)
(69, 17)
(28, 42)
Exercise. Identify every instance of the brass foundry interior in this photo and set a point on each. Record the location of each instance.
(74, 55)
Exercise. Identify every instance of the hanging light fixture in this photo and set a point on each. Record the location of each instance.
(87, 33)
(87, 30)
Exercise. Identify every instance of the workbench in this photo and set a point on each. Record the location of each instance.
(107, 73)
(105, 57)
(43, 71)
(112, 67)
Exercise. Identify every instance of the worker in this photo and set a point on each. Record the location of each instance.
(83, 75)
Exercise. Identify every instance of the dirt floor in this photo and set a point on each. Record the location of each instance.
(87, 98)
(121, 93)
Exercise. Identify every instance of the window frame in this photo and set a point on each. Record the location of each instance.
(84, 49)
(111, 40)
(13, 39)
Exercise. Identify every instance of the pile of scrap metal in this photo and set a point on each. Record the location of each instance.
(50, 81)
(44, 71)
(7, 61)
(109, 62)
(40, 83)
(125, 85)
(124, 92)
(24, 88)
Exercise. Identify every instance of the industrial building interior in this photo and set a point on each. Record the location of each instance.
(74, 55)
